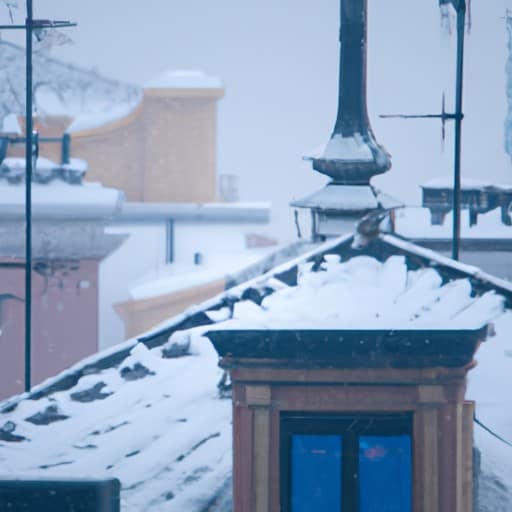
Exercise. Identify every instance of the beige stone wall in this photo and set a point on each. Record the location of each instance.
(163, 151)
(115, 154)
(182, 124)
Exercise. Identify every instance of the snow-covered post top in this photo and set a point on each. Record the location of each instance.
(352, 156)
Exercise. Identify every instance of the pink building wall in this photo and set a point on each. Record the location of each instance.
(64, 323)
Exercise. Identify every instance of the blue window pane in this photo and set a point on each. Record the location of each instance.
(316, 473)
(385, 473)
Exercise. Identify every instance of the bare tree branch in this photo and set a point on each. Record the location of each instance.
(11, 5)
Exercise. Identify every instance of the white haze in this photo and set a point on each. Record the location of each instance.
(279, 62)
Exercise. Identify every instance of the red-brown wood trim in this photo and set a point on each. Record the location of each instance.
(242, 459)
(275, 462)
(336, 375)
(450, 460)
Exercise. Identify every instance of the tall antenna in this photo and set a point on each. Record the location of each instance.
(31, 26)
(460, 8)
(457, 116)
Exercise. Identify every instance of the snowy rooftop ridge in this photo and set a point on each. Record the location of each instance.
(156, 422)
(13, 169)
(446, 182)
(57, 191)
(394, 298)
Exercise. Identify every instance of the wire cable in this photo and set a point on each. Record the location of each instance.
(490, 431)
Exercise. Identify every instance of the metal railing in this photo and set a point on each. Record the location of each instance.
(64, 141)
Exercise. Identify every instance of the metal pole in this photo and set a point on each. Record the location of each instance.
(30, 162)
(461, 17)
(28, 197)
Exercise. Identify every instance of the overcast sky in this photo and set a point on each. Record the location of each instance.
(279, 63)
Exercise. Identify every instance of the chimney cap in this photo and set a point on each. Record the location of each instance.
(184, 79)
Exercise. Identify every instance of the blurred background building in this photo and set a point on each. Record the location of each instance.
(126, 195)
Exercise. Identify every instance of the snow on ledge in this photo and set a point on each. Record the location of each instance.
(465, 184)
(340, 197)
(60, 199)
(343, 148)
(415, 223)
(18, 163)
(11, 124)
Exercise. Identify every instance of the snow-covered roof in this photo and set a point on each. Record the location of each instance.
(175, 277)
(156, 421)
(184, 79)
(416, 223)
(167, 436)
(394, 298)
(59, 199)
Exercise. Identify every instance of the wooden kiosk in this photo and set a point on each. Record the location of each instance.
(350, 420)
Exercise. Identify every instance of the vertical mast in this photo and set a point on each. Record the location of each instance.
(28, 197)
(352, 156)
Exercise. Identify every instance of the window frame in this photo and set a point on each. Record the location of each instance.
(350, 427)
